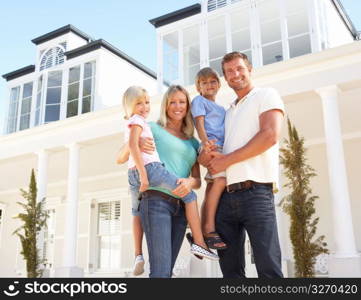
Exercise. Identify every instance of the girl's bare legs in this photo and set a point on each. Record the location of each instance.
(137, 235)
(194, 222)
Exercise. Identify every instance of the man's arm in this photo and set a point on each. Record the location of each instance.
(268, 135)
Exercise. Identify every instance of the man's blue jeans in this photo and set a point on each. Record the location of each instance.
(251, 210)
(164, 224)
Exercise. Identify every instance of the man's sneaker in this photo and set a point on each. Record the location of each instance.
(200, 251)
(138, 265)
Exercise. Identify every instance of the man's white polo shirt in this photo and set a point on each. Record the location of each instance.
(241, 125)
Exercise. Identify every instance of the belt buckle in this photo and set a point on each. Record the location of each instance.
(228, 190)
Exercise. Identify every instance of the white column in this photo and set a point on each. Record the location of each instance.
(314, 25)
(42, 174)
(69, 268)
(345, 248)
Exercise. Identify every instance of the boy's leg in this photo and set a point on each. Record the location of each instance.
(211, 204)
(203, 206)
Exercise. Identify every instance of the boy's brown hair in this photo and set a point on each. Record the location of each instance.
(204, 74)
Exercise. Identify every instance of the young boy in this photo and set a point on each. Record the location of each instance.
(209, 122)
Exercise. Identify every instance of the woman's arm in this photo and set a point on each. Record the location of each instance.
(146, 145)
(123, 154)
(135, 132)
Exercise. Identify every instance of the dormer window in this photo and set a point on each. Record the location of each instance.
(52, 57)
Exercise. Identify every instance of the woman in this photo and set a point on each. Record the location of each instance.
(163, 215)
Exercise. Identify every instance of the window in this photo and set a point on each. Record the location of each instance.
(88, 87)
(240, 32)
(53, 96)
(270, 25)
(48, 242)
(73, 92)
(191, 53)
(170, 58)
(214, 4)
(109, 235)
(38, 100)
(217, 42)
(13, 109)
(26, 106)
(298, 28)
(52, 57)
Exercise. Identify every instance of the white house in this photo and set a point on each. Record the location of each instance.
(307, 49)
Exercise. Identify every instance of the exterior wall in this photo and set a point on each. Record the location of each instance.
(100, 136)
(337, 32)
(116, 75)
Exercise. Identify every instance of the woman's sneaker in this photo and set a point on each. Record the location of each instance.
(200, 251)
(138, 265)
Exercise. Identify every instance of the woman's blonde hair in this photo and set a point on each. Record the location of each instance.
(187, 126)
(206, 73)
(130, 97)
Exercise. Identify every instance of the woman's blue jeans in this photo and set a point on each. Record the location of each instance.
(164, 224)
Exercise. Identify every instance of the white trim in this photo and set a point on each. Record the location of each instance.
(180, 56)
(284, 31)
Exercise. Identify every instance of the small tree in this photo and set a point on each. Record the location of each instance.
(299, 205)
(34, 219)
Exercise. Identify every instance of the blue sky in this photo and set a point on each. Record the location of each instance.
(122, 23)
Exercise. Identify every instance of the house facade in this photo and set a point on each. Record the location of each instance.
(308, 50)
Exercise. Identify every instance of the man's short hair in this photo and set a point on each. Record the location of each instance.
(233, 55)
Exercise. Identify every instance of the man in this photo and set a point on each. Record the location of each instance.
(250, 158)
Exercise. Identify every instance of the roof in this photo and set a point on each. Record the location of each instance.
(60, 31)
(18, 73)
(94, 45)
(176, 15)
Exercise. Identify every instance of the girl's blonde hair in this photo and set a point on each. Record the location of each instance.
(130, 97)
(205, 73)
(187, 126)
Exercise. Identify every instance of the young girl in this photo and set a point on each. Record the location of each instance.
(146, 170)
(209, 122)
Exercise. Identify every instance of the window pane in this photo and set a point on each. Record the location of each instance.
(87, 87)
(217, 37)
(241, 40)
(191, 53)
(28, 90)
(53, 95)
(86, 105)
(216, 65)
(24, 121)
(74, 74)
(269, 10)
(272, 53)
(300, 46)
(54, 78)
(297, 24)
(37, 117)
(26, 106)
(294, 6)
(72, 109)
(73, 91)
(270, 31)
(170, 58)
(52, 113)
(88, 69)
